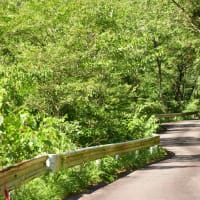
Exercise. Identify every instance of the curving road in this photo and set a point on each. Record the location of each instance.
(177, 178)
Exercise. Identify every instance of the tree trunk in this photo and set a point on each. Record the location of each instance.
(159, 67)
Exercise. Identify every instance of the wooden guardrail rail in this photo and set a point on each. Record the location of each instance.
(176, 114)
(22, 172)
(25, 171)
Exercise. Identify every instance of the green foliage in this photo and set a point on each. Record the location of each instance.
(193, 105)
(75, 74)
(24, 135)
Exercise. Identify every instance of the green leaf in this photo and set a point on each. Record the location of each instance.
(1, 120)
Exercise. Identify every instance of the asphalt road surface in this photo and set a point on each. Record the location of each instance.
(177, 178)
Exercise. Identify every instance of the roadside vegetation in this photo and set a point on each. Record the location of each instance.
(83, 73)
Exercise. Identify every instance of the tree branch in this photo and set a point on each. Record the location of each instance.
(188, 16)
(179, 6)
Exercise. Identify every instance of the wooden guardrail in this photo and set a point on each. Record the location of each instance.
(176, 114)
(22, 172)
(25, 171)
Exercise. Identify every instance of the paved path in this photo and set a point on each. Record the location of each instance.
(177, 178)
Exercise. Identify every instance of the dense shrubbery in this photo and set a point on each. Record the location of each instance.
(75, 74)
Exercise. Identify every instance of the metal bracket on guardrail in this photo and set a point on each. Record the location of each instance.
(54, 162)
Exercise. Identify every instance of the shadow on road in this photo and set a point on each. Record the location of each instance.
(191, 125)
(170, 167)
(176, 161)
(184, 158)
(180, 141)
